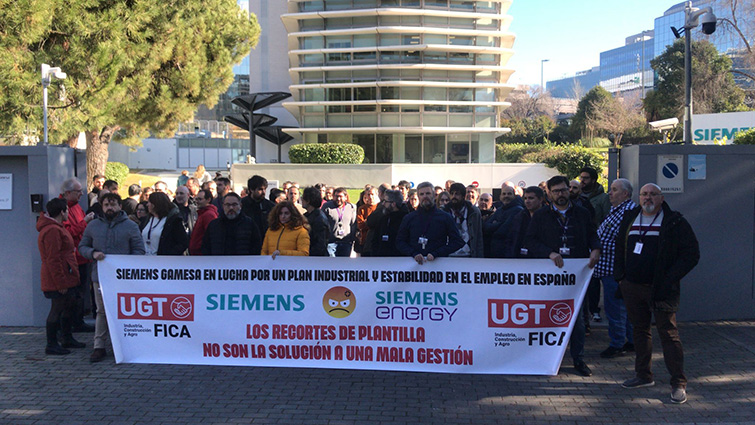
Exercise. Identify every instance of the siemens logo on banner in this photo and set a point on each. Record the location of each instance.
(703, 134)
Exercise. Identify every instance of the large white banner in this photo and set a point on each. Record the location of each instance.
(451, 315)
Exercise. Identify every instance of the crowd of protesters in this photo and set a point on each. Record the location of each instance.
(557, 219)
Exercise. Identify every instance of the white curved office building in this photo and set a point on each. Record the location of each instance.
(411, 81)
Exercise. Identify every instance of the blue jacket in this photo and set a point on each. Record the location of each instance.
(437, 226)
(498, 228)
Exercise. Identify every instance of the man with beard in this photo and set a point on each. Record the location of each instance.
(311, 200)
(233, 233)
(186, 208)
(373, 219)
(428, 233)
(468, 222)
(342, 219)
(498, 228)
(223, 185)
(385, 231)
(533, 201)
(593, 192)
(256, 206)
(113, 233)
(565, 230)
(206, 213)
(97, 182)
(656, 247)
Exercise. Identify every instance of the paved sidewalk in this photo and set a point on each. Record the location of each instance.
(40, 389)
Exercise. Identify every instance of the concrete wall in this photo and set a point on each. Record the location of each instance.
(488, 176)
(36, 170)
(721, 210)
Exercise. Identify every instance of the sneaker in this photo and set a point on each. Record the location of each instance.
(56, 350)
(628, 347)
(97, 355)
(678, 395)
(583, 369)
(612, 352)
(637, 383)
(596, 317)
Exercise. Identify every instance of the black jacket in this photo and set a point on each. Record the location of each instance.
(173, 240)
(545, 232)
(239, 236)
(318, 233)
(678, 254)
(438, 227)
(257, 211)
(498, 228)
(388, 226)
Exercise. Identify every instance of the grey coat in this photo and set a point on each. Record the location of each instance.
(120, 236)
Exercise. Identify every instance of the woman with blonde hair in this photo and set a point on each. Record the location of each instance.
(287, 232)
(202, 175)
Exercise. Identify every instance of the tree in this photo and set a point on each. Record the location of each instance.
(613, 117)
(713, 87)
(581, 122)
(529, 117)
(740, 24)
(133, 66)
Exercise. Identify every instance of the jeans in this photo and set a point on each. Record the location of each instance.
(619, 327)
(640, 311)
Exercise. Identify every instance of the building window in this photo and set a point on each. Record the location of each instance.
(435, 149)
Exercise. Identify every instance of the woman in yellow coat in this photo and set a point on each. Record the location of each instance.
(287, 232)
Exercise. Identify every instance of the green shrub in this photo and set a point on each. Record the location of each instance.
(117, 171)
(326, 153)
(596, 142)
(745, 137)
(567, 159)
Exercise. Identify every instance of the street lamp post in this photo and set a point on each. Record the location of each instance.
(541, 73)
(691, 17)
(47, 74)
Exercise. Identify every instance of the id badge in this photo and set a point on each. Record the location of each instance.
(385, 238)
(339, 232)
(524, 252)
(564, 251)
(638, 248)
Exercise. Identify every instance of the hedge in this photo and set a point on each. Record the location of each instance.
(326, 153)
(567, 159)
(746, 137)
(117, 171)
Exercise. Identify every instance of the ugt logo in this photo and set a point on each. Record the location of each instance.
(529, 313)
(156, 306)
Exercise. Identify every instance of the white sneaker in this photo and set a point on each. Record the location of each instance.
(678, 395)
(596, 317)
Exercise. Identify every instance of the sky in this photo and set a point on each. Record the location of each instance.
(571, 34)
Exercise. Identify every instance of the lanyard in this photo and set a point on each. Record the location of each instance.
(149, 233)
(339, 210)
(277, 245)
(650, 226)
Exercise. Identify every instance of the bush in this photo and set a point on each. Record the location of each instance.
(596, 142)
(326, 153)
(746, 137)
(567, 159)
(117, 171)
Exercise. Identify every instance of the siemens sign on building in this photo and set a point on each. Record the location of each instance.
(708, 129)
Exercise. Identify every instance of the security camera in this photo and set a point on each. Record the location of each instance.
(664, 125)
(709, 23)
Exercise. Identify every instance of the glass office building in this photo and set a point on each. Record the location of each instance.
(411, 81)
(626, 69)
(574, 87)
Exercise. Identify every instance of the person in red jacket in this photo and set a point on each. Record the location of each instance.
(71, 190)
(206, 212)
(59, 274)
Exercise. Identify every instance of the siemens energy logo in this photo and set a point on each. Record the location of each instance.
(529, 313)
(156, 306)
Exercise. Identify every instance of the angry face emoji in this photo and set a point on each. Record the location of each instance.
(339, 302)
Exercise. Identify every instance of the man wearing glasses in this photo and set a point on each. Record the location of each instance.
(656, 247)
(384, 234)
(564, 230)
(232, 233)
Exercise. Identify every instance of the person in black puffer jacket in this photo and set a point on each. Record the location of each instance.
(233, 233)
